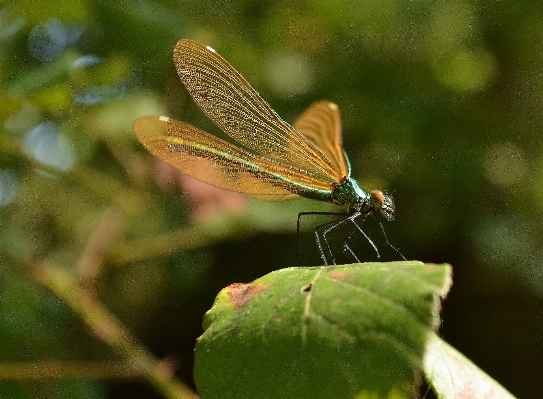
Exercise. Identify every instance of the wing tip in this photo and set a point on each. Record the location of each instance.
(182, 44)
(149, 127)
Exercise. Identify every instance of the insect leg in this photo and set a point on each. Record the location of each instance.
(334, 224)
(352, 219)
(388, 243)
(347, 248)
(317, 238)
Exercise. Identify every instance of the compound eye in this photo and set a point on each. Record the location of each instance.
(383, 203)
(377, 198)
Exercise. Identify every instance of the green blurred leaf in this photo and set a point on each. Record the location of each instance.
(349, 331)
(453, 376)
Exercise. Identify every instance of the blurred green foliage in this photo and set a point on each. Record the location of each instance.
(441, 104)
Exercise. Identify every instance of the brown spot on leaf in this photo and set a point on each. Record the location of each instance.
(242, 294)
(338, 275)
(306, 288)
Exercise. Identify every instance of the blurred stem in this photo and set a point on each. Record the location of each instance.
(161, 245)
(105, 186)
(107, 328)
(90, 261)
(56, 369)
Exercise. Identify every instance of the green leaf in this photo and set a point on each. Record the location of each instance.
(453, 376)
(322, 332)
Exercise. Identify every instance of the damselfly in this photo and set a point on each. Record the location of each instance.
(274, 160)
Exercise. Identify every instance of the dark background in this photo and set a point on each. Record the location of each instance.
(441, 105)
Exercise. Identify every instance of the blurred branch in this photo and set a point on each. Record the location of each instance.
(107, 328)
(56, 369)
(190, 237)
(101, 184)
(160, 245)
(91, 259)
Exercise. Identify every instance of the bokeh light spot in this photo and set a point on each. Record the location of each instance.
(48, 146)
(99, 94)
(8, 187)
(47, 41)
(465, 70)
(86, 60)
(504, 164)
(289, 74)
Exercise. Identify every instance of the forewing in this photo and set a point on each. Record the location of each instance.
(221, 164)
(233, 105)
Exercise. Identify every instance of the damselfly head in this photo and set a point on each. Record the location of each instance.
(383, 203)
